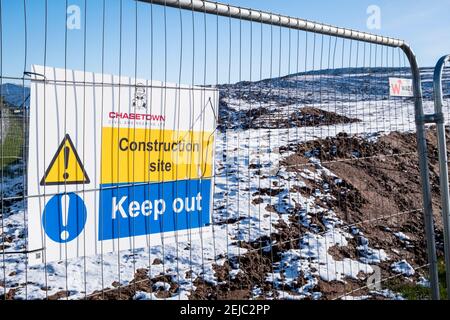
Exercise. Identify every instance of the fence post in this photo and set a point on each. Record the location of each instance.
(421, 120)
(443, 163)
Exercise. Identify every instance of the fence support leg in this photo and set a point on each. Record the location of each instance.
(424, 172)
(443, 164)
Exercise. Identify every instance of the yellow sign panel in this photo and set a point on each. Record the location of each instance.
(131, 155)
(66, 167)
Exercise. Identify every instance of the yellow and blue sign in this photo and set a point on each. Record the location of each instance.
(120, 164)
(154, 181)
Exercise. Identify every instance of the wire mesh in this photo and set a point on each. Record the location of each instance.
(316, 190)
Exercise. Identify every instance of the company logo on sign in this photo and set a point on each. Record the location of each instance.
(136, 116)
(401, 87)
(140, 97)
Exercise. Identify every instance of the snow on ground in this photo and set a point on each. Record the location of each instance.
(383, 293)
(403, 267)
(423, 282)
(401, 236)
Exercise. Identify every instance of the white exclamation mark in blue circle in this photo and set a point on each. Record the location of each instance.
(65, 202)
(64, 217)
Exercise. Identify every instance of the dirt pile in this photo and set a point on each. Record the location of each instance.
(305, 117)
(280, 117)
(376, 179)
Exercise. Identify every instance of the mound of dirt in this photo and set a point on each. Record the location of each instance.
(141, 283)
(284, 118)
(305, 117)
(378, 190)
(376, 179)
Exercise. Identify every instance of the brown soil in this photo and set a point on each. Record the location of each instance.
(264, 118)
(380, 192)
(305, 117)
(142, 283)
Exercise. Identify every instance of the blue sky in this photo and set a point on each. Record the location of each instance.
(173, 46)
(424, 24)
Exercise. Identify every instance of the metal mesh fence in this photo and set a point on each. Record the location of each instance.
(316, 190)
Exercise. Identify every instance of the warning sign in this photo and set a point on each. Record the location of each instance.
(66, 167)
(117, 163)
(401, 87)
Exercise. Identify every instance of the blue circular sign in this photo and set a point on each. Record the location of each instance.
(64, 217)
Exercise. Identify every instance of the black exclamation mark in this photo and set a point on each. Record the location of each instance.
(66, 162)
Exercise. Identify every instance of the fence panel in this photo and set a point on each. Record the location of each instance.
(316, 182)
(440, 86)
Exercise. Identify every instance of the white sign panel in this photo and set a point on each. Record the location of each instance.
(401, 87)
(116, 164)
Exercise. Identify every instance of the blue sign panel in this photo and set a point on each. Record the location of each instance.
(64, 217)
(145, 209)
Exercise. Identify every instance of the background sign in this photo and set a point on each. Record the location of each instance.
(116, 163)
(401, 87)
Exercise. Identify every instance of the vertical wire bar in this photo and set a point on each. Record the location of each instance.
(270, 162)
(151, 107)
(191, 123)
(133, 227)
(259, 141)
(238, 151)
(24, 136)
(101, 139)
(178, 128)
(84, 135)
(289, 204)
(43, 236)
(200, 155)
(164, 102)
(118, 130)
(313, 78)
(250, 213)
(385, 129)
(277, 117)
(5, 285)
(214, 151)
(226, 150)
(348, 100)
(303, 139)
(66, 262)
(279, 179)
(299, 205)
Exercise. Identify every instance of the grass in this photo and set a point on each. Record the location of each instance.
(11, 149)
(412, 291)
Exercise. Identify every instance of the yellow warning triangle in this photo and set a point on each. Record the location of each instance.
(66, 167)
